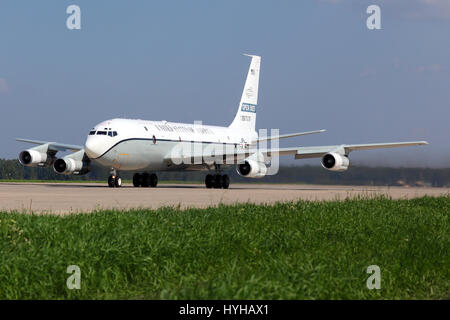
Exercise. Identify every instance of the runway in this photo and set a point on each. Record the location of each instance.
(64, 198)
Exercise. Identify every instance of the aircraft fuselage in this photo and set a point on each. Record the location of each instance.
(131, 145)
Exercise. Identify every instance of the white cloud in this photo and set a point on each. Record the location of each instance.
(433, 68)
(410, 9)
(423, 9)
(368, 72)
(3, 86)
(332, 1)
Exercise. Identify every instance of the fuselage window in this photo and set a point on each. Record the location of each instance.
(101, 133)
(92, 133)
(154, 139)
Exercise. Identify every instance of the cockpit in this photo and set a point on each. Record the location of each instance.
(106, 132)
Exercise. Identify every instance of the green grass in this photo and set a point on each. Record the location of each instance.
(304, 250)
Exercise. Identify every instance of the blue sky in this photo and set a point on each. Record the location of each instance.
(181, 61)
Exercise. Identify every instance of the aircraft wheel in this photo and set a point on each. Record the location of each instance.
(137, 180)
(118, 182)
(209, 181)
(153, 180)
(225, 181)
(111, 181)
(145, 180)
(217, 181)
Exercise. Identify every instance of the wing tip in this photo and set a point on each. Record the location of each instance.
(251, 55)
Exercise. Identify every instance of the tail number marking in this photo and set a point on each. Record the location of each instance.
(246, 107)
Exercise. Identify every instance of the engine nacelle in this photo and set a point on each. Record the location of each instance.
(68, 165)
(34, 158)
(335, 162)
(252, 169)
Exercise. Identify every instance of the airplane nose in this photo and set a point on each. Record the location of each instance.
(92, 147)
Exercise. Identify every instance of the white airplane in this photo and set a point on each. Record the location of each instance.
(144, 147)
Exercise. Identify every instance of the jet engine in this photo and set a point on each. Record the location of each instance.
(335, 162)
(76, 163)
(252, 169)
(68, 165)
(35, 158)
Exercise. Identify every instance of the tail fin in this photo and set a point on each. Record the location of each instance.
(245, 119)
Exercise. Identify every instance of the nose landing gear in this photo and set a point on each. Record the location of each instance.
(217, 181)
(114, 181)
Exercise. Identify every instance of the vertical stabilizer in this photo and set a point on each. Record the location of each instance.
(245, 119)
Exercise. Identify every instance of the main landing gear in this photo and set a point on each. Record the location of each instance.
(217, 181)
(114, 181)
(145, 180)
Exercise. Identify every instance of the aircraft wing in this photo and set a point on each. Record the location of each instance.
(317, 152)
(184, 156)
(289, 135)
(54, 146)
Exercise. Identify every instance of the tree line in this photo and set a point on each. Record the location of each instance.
(355, 175)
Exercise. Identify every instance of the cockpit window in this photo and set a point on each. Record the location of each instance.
(109, 133)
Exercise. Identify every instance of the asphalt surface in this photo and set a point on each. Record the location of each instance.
(64, 198)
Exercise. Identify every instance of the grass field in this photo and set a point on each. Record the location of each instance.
(304, 250)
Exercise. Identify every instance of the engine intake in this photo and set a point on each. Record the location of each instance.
(335, 162)
(34, 158)
(252, 169)
(68, 165)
